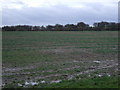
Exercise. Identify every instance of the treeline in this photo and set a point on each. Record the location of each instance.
(81, 26)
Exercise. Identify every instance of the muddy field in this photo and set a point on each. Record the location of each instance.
(41, 59)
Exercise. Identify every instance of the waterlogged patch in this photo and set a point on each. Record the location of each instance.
(96, 61)
(99, 75)
(56, 81)
(20, 85)
(31, 83)
(106, 64)
(103, 74)
(43, 81)
(36, 83)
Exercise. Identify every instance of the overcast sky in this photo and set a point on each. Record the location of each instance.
(44, 12)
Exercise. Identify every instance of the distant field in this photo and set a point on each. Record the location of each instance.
(60, 58)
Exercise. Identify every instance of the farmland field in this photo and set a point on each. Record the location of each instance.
(69, 59)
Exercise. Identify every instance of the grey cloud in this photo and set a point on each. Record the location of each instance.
(60, 14)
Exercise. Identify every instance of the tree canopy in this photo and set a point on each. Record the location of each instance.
(80, 26)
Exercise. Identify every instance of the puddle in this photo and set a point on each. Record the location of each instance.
(107, 64)
(20, 85)
(43, 81)
(31, 83)
(56, 81)
(36, 83)
(99, 75)
(103, 74)
(96, 61)
(108, 75)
